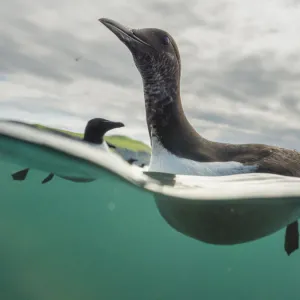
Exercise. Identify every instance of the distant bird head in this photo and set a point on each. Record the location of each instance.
(96, 129)
(154, 51)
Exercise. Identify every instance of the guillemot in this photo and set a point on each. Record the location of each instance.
(177, 148)
(94, 133)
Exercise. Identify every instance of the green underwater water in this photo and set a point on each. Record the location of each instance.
(106, 240)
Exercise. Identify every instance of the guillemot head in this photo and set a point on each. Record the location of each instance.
(154, 50)
(157, 58)
(96, 129)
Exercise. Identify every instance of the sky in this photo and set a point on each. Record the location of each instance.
(240, 82)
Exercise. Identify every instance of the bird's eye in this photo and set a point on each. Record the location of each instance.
(166, 40)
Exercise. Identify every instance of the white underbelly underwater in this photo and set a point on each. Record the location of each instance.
(165, 162)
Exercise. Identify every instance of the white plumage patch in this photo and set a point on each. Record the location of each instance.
(164, 161)
(102, 146)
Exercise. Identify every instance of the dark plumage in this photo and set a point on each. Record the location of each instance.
(157, 58)
(93, 134)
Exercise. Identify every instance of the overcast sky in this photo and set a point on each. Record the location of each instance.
(240, 65)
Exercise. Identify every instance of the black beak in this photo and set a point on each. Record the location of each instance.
(116, 125)
(125, 34)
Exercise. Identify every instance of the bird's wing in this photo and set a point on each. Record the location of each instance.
(269, 159)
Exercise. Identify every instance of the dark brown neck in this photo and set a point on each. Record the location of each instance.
(167, 122)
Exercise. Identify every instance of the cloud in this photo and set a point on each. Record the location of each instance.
(240, 65)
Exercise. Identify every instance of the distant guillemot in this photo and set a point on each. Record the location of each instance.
(94, 134)
(176, 146)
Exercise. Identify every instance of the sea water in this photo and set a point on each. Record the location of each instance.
(106, 240)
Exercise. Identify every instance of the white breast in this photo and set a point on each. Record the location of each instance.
(102, 146)
(164, 161)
